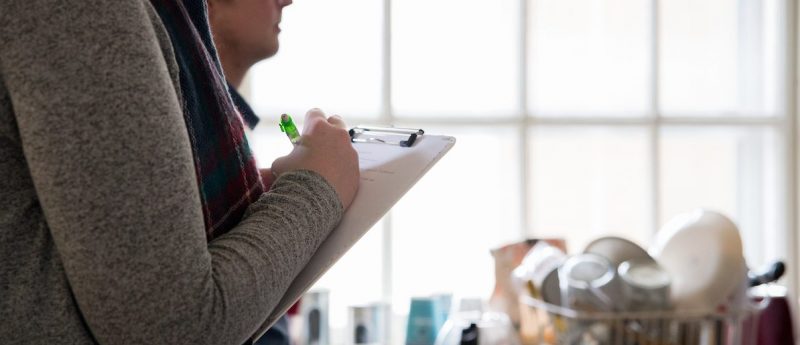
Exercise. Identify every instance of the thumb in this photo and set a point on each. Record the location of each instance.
(281, 165)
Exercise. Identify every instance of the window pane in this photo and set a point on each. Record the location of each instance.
(267, 143)
(329, 58)
(356, 279)
(719, 57)
(597, 52)
(588, 182)
(731, 170)
(445, 226)
(455, 57)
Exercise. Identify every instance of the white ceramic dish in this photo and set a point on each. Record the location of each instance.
(617, 250)
(702, 251)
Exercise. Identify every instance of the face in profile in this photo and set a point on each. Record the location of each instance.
(247, 28)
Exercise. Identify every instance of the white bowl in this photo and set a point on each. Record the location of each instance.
(702, 251)
(617, 250)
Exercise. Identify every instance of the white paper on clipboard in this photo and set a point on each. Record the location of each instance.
(388, 171)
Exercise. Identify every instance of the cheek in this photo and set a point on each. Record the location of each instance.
(254, 13)
(263, 17)
(266, 10)
(252, 26)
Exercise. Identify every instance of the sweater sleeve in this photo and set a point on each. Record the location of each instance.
(108, 151)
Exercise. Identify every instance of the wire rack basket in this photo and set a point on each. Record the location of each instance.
(549, 324)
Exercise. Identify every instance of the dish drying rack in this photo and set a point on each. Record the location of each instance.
(547, 324)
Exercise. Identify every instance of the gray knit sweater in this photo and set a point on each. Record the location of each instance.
(101, 228)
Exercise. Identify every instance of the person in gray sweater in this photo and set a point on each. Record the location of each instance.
(102, 239)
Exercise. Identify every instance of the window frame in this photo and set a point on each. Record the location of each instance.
(784, 124)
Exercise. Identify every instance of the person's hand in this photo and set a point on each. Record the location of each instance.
(266, 177)
(325, 148)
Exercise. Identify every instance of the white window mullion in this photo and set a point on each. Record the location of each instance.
(655, 126)
(496, 119)
(524, 118)
(387, 117)
(790, 178)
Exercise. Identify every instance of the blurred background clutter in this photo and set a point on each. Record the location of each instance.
(576, 121)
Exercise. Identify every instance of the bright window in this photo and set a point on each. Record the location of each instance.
(574, 118)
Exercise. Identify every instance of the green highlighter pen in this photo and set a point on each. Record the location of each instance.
(288, 127)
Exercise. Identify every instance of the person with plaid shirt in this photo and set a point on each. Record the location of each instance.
(246, 32)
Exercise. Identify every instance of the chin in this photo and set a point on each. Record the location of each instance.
(268, 48)
(263, 52)
(270, 52)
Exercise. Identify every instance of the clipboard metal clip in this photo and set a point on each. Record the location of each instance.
(403, 137)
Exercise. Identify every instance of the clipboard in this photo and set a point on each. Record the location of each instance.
(391, 161)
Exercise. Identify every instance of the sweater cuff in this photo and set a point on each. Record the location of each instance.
(311, 186)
